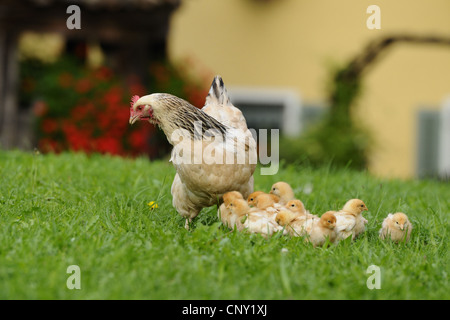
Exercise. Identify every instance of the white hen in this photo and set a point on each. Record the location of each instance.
(214, 152)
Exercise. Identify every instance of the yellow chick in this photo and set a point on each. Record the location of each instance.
(251, 220)
(253, 196)
(298, 222)
(298, 207)
(323, 229)
(349, 220)
(396, 227)
(224, 214)
(284, 191)
(264, 201)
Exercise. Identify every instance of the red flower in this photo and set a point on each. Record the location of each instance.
(137, 140)
(83, 85)
(49, 126)
(83, 111)
(78, 139)
(103, 73)
(108, 145)
(113, 96)
(49, 145)
(40, 108)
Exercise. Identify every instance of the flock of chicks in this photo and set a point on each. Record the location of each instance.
(278, 210)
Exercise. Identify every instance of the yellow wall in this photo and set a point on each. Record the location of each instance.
(295, 43)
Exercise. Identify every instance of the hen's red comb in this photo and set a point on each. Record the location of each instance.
(133, 100)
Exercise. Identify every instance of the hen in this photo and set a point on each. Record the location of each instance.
(214, 152)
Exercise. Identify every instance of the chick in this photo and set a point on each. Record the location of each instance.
(323, 229)
(284, 191)
(251, 220)
(229, 196)
(253, 196)
(297, 222)
(298, 207)
(349, 220)
(397, 227)
(224, 214)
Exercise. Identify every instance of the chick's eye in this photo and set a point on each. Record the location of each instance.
(273, 189)
(251, 199)
(362, 206)
(292, 205)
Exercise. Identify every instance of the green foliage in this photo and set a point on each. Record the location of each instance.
(337, 138)
(83, 109)
(92, 211)
(327, 143)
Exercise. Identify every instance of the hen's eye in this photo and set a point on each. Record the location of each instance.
(251, 199)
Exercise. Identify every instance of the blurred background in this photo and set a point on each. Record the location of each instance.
(340, 93)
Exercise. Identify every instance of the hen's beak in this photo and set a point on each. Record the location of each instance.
(134, 118)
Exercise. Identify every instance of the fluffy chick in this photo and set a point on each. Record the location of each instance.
(252, 197)
(284, 191)
(323, 229)
(349, 220)
(298, 207)
(396, 227)
(224, 214)
(297, 222)
(251, 220)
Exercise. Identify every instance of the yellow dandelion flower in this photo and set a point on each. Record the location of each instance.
(152, 205)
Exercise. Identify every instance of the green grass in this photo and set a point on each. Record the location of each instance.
(71, 209)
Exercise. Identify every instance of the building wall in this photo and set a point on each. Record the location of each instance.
(296, 44)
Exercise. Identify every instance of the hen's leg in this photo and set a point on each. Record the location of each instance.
(188, 223)
(182, 203)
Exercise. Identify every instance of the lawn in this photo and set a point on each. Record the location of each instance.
(93, 212)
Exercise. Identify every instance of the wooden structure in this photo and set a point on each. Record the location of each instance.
(133, 32)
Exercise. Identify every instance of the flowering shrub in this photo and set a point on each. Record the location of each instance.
(88, 110)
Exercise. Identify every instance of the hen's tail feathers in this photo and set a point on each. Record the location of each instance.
(217, 93)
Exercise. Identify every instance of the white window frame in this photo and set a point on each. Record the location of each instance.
(288, 99)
